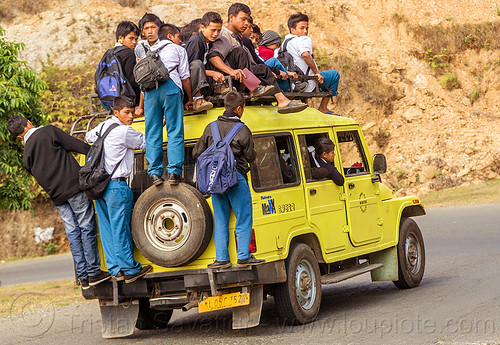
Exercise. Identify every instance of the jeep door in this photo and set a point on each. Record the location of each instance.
(324, 199)
(362, 190)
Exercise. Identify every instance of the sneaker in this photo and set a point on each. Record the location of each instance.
(157, 180)
(201, 105)
(103, 276)
(261, 91)
(300, 86)
(130, 278)
(292, 107)
(220, 264)
(251, 261)
(84, 283)
(120, 276)
(173, 179)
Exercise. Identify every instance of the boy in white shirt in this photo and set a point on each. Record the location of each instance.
(300, 46)
(114, 208)
(165, 102)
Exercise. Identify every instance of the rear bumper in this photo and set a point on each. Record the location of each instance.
(164, 283)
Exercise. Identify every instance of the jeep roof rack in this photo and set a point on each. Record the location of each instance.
(85, 123)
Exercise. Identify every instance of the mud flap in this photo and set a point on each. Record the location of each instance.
(249, 315)
(118, 320)
(388, 257)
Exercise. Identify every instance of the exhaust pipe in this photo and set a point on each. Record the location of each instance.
(189, 305)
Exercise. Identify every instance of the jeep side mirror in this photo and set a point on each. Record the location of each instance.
(379, 164)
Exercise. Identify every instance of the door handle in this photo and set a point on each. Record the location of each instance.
(312, 191)
(351, 185)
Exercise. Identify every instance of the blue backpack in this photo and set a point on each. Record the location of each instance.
(110, 81)
(216, 167)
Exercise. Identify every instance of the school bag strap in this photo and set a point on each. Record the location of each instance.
(103, 136)
(229, 136)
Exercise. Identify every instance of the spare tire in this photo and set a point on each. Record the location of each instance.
(171, 225)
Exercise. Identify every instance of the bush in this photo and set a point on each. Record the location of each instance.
(474, 96)
(449, 81)
(9, 8)
(20, 89)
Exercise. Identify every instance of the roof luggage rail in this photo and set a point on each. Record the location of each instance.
(79, 128)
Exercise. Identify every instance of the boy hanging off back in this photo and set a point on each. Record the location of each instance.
(300, 46)
(202, 77)
(48, 157)
(165, 102)
(238, 197)
(230, 56)
(114, 208)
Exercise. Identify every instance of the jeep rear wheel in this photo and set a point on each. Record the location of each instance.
(171, 225)
(411, 255)
(299, 298)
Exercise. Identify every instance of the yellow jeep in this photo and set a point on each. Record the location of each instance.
(310, 231)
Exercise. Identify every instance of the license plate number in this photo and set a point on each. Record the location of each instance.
(229, 300)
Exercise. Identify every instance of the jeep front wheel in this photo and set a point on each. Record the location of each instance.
(171, 225)
(411, 255)
(299, 298)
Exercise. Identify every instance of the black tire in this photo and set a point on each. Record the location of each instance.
(299, 298)
(171, 225)
(150, 318)
(411, 255)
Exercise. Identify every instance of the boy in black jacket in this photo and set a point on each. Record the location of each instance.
(48, 157)
(238, 197)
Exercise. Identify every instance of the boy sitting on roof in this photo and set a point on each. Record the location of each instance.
(230, 56)
(299, 45)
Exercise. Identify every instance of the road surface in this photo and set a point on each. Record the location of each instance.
(458, 302)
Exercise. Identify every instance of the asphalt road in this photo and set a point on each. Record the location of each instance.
(458, 302)
(49, 268)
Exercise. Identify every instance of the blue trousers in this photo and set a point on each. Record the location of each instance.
(114, 211)
(79, 223)
(239, 199)
(331, 79)
(166, 101)
(273, 62)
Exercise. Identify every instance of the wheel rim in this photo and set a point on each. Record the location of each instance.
(305, 284)
(167, 225)
(413, 251)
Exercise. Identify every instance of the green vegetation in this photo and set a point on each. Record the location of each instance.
(20, 90)
(52, 248)
(449, 81)
(474, 96)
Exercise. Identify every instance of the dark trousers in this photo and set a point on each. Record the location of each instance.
(199, 79)
(239, 58)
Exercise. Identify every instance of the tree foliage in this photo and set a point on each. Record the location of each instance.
(20, 89)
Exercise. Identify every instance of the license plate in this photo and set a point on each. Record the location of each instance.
(229, 300)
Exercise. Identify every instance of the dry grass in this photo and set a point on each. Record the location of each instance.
(24, 298)
(484, 192)
(355, 75)
(9, 8)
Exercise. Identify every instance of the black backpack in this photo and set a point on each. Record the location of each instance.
(287, 61)
(93, 178)
(110, 81)
(150, 71)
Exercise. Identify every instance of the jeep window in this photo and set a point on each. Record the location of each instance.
(139, 180)
(276, 164)
(307, 143)
(351, 153)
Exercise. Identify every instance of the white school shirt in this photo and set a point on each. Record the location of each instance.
(175, 59)
(29, 133)
(297, 46)
(119, 146)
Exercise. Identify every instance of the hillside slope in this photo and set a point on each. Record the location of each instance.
(438, 125)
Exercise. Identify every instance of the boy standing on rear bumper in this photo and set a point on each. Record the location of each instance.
(238, 197)
(114, 208)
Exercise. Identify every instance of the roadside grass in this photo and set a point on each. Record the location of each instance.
(484, 192)
(26, 298)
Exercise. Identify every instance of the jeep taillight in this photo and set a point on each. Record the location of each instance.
(253, 243)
